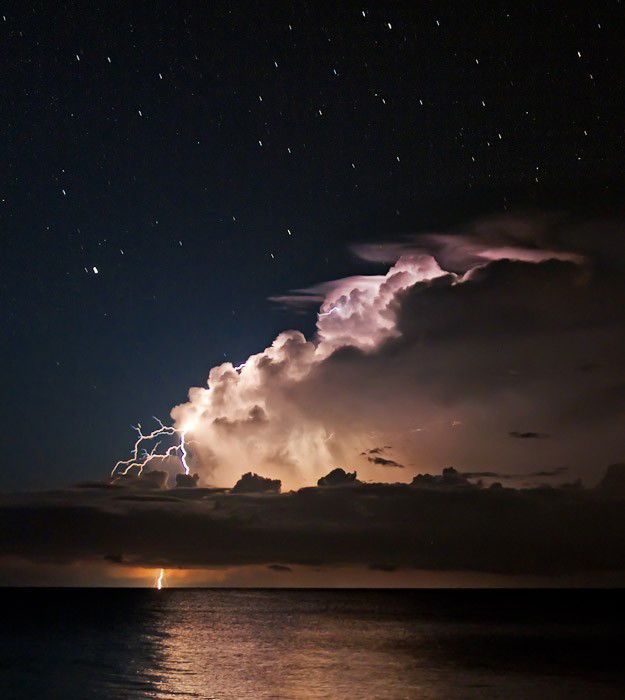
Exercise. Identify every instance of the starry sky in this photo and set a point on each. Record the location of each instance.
(168, 167)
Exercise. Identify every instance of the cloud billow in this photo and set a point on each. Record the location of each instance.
(466, 337)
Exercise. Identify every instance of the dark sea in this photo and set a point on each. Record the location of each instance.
(182, 643)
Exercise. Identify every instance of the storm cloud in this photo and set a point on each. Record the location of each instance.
(528, 435)
(510, 531)
(384, 462)
(466, 337)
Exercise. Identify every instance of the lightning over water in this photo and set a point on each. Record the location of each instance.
(159, 580)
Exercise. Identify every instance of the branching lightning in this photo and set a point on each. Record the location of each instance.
(140, 455)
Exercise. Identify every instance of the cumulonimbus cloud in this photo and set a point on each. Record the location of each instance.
(463, 337)
(449, 357)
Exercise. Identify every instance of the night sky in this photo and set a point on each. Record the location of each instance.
(168, 167)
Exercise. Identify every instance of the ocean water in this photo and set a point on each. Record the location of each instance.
(112, 643)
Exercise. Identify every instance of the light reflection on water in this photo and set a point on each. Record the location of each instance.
(310, 644)
(255, 645)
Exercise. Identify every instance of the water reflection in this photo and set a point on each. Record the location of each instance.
(311, 644)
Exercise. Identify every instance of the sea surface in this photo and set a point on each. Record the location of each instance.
(177, 643)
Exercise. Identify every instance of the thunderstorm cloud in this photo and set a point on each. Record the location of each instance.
(466, 339)
(497, 349)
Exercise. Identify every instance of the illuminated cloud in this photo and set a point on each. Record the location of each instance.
(466, 337)
(523, 238)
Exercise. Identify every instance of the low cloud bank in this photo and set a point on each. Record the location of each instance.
(441, 523)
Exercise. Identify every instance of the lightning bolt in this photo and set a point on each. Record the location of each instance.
(327, 313)
(183, 451)
(159, 580)
(123, 466)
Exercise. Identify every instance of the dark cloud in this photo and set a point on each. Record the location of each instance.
(613, 483)
(529, 435)
(449, 479)
(147, 498)
(548, 472)
(187, 480)
(383, 462)
(253, 483)
(499, 475)
(280, 567)
(338, 477)
(540, 530)
(382, 567)
(374, 451)
(114, 558)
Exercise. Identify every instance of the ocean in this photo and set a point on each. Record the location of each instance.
(216, 643)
